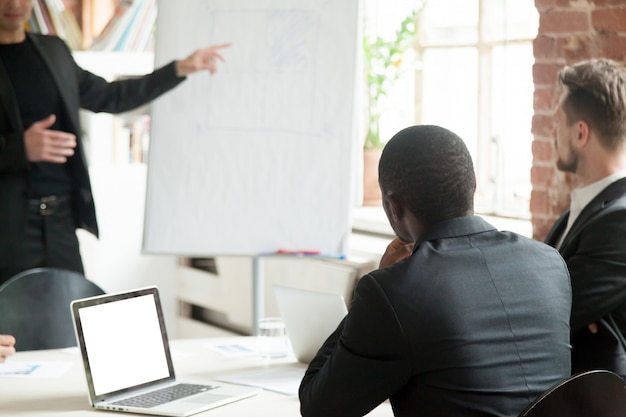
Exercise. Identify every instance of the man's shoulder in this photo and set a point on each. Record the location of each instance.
(525, 245)
(46, 40)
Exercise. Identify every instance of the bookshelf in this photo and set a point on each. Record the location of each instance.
(104, 25)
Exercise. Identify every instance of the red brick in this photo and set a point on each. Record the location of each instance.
(610, 45)
(606, 2)
(541, 227)
(545, 73)
(559, 193)
(577, 47)
(610, 20)
(543, 126)
(539, 202)
(543, 4)
(544, 99)
(543, 150)
(541, 176)
(556, 21)
(544, 47)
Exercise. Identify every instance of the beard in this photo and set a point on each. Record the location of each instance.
(568, 166)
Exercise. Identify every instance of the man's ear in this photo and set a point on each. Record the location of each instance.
(583, 133)
(394, 207)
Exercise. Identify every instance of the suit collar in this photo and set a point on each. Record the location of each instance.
(612, 192)
(557, 229)
(458, 226)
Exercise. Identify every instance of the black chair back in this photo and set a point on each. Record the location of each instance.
(587, 394)
(35, 307)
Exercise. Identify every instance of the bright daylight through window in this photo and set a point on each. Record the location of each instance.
(471, 73)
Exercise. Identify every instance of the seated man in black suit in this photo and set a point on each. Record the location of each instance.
(591, 235)
(461, 320)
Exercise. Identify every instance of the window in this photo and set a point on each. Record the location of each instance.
(473, 75)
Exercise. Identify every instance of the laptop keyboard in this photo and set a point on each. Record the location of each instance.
(165, 395)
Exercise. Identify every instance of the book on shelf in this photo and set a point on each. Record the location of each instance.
(42, 16)
(130, 29)
(131, 140)
(51, 17)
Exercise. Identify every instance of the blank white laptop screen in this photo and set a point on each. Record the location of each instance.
(135, 342)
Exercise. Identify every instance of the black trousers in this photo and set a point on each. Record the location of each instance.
(50, 239)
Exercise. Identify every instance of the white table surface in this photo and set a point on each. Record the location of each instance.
(194, 361)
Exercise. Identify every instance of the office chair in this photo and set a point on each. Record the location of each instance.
(35, 307)
(587, 394)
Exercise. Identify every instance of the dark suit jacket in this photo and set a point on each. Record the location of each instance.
(78, 89)
(474, 323)
(595, 252)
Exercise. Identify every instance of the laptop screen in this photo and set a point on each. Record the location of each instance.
(124, 342)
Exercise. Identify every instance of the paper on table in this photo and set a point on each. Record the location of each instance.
(11, 369)
(234, 350)
(282, 379)
(17, 368)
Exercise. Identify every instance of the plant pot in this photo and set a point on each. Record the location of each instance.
(371, 190)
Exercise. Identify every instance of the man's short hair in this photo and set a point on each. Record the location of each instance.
(596, 94)
(429, 170)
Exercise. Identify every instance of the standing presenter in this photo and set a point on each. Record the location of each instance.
(45, 192)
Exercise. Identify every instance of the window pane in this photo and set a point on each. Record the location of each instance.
(383, 18)
(399, 106)
(449, 22)
(511, 115)
(449, 92)
(509, 19)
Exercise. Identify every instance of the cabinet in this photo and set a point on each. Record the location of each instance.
(224, 297)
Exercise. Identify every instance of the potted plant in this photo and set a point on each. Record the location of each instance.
(383, 59)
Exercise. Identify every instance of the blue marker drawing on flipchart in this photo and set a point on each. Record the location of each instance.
(272, 75)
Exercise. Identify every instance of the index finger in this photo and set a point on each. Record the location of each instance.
(220, 46)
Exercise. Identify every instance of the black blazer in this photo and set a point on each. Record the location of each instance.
(78, 89)
(595, 252)
(474, 323)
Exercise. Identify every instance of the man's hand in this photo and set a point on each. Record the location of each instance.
(396, 251)
(45, 145)
(202, 59)
(593, 327)
(6, 346)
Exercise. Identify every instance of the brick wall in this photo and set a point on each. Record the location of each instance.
(569, 31)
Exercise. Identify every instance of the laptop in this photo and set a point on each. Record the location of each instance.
(310, 317)
(127, 359)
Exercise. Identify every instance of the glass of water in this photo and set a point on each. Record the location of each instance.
(273, 337)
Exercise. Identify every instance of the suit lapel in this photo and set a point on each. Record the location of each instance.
(53, 66)
(557, 230)
(595, 206)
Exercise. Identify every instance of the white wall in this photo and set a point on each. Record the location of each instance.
(115, 261)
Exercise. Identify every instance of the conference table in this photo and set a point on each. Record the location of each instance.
(58, 387)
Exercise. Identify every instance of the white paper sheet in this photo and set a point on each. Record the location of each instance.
(284, 379)
(36, 370)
